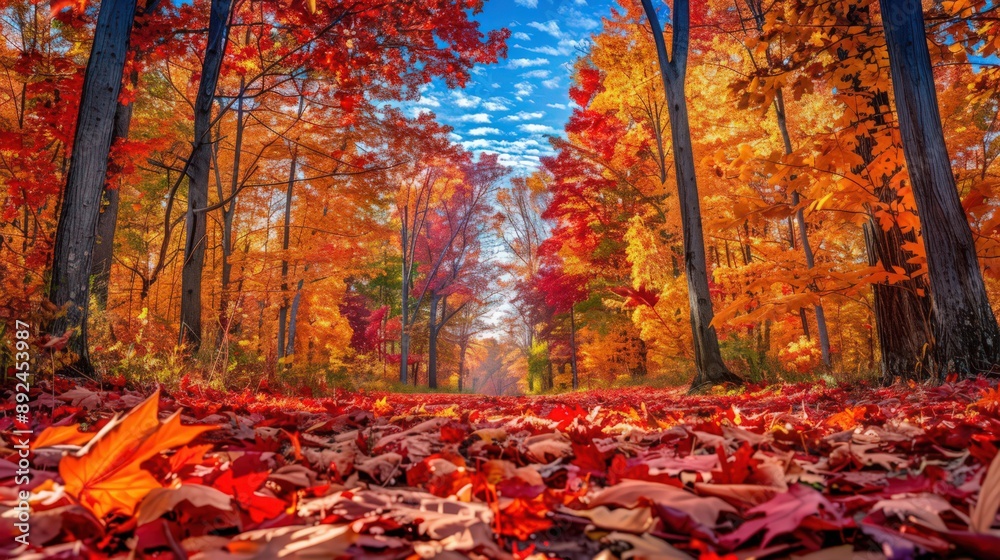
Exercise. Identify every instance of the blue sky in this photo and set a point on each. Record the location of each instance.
(510, 107)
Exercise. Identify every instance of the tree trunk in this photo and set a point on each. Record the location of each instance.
(642, 367)
(708, 358)
(901, 315)
(286, 234)
(198, 169)
(433, 329)
(757, 9)
(404, 337)
(967, 339)
(901, 308)
(81, 208)
(463, 347)
(228, 215)
(108, 220)
(293, 319)
(572, 348)
(821, 329)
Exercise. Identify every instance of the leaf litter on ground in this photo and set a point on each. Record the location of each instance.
(797, 471)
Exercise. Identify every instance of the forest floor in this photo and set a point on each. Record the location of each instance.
(788, 471)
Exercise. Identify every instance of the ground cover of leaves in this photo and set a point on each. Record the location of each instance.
(794, 471)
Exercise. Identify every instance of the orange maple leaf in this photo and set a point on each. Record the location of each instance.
(848, 418)
(990, 400)
(106, 475)
(63, 435)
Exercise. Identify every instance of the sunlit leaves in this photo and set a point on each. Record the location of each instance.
(107, 476)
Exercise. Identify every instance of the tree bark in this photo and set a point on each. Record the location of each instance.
(966, 336)
(293, 320)
(107, 222)
(902, 308)
(286, 235)
(642, 367)
(81, 208)
(463, 347)
(757, 9)
(901, 314)
(404, 337)
(821, 329)
(198, 170)
(228, 215)
(433, 329)
(572, 348)
(711, 370)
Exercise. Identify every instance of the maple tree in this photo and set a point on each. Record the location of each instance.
(380, 66)
(890, 235)
(88, 164)
(449, 249)
(197, 168)
(673, 70)
(965, 329)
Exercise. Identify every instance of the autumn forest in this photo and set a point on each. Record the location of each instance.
(503, 279)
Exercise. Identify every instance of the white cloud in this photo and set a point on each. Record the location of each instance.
(523, 153)
(523, 89)
(428, 101)
(557, 106)
(417, 111)
(576, 18)
(544, 49)
(550, 27)
(496, 104)
(527, 3)
(527, 62)
(565, 47)
(483, 118)
(536, 74)
(522, 36)
(537, 128)
(525, 162)
(551, 84)
(483, 131)
(477, 144)
(465, 101)
(524, 116)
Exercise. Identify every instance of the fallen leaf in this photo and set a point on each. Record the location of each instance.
(632, 493)
(984, 513)
(106, 475)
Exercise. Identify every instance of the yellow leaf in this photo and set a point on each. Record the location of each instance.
(450, 412)
(823, 201)
(381, 406)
